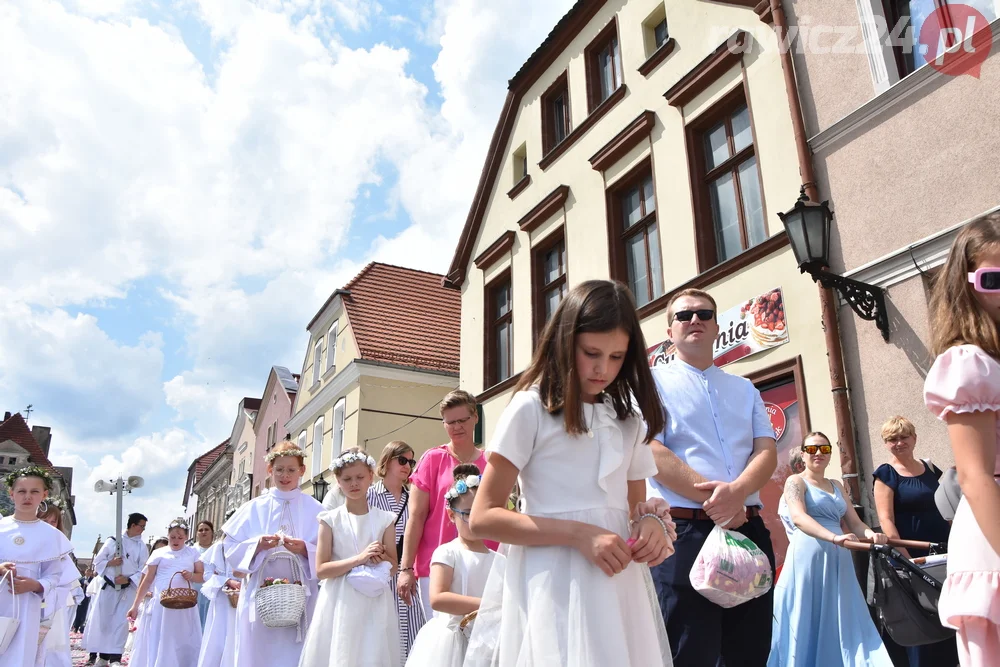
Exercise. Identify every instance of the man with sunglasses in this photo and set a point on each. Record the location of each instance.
(715, 454)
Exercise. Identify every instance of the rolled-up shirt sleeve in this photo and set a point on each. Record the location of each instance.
(762, 427)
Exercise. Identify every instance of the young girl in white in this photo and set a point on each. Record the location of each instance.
(54, 651)
(173, 636)
(279, 521)
(34, 563)
(139, 628)
(577, 591)
(459, 570)
(217, 643)
(355, 623)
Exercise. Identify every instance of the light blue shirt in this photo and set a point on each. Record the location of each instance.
(712, 420)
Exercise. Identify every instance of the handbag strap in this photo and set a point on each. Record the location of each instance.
(399, 514)
(17, 608)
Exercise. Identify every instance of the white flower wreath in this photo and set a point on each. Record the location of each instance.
(278, 454)
(177, 523)
(462, 486)
(352, 457)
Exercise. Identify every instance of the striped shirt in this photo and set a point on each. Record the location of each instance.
(411, 617)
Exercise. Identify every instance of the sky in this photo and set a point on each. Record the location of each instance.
(183, 184)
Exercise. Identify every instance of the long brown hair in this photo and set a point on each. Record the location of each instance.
(956, 316)
(595, 306)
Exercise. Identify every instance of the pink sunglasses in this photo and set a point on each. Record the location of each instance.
(986, 279)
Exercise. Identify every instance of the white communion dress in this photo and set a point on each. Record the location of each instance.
(172, 636)
(554, 607)
(351, 629)
(441, 643)
(290, 513)
(218, 641)
(40, 552)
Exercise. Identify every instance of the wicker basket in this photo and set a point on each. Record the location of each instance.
(178, 598)
(467, 622)
(282, 605)
(233, 595)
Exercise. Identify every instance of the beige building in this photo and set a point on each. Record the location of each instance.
(383, 352)
(243, 444)
(652, 143)
(906, 156)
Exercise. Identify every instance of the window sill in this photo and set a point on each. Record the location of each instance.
(717, 272)
(330, 372)
(599, 112)
(657, 57)
(498, 388)
(314, 387)
(519, 187)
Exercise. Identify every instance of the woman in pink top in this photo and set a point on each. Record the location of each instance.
(428, 526)
(963, 389)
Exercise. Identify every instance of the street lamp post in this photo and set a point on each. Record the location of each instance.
(808, 228)
(320, 487)
(117, 488)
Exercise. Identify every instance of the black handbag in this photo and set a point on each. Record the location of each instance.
(399, 542)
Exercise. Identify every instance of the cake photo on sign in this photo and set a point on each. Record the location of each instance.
(768, 311)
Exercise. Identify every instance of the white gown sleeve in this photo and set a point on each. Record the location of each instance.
(106, 553)
(143, 557)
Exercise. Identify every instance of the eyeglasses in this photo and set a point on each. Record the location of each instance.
(812, 449)
(458, 422)
(403, 461)
(464, 514)
(704, 314)
(986, 279)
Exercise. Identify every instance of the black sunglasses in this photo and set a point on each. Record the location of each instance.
(704, 314)
(403, 461)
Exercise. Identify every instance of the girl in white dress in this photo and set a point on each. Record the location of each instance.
(34, 563)
(139, 629)
(355, 623)
(54, 651)
(577, 590)
(283, 520)
(217, 644)
(173, 636)
(459, 570)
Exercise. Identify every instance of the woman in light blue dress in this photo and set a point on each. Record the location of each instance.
(820, 615)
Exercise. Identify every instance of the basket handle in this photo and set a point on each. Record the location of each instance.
(170, 584)
(297, 571)
(866, 544)
(17, 607)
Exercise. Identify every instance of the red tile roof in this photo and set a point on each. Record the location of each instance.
(200, 465)
(16, 429)
(404, 316)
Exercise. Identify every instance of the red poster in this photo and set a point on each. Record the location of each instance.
(782, 407)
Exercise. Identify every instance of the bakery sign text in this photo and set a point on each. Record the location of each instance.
(747, 328)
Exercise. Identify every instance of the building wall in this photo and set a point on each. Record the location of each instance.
(346, 353)
(275, 408)
(247, 455)
(699, 29)
(897, 166)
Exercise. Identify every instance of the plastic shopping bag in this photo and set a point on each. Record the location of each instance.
(730, 569)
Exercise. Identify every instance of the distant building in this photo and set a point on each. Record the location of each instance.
(20, 446)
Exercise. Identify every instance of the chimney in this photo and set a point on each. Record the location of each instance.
(43, 436)
(6, 416)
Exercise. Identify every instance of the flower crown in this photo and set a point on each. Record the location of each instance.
(286, 452)
(461, 487)
(177, 523)
(352, 457)
(29, 471)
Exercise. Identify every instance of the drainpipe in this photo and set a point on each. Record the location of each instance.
(828, 301)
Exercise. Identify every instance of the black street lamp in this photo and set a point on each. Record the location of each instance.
(320, 487)
(808, 228)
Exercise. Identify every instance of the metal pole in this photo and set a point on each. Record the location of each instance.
(118, 520)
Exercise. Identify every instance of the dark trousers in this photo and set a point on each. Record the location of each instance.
(703, 634)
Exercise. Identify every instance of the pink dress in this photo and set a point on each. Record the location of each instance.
(966, 379)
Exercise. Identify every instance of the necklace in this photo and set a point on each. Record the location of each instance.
(593, 414)
(27, 520)
(475, 455)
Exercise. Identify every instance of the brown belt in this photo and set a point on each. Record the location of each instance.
(701, 515)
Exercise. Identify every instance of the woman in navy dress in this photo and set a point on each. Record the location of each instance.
(904, 499)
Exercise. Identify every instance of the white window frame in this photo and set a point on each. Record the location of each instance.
(881, 59)
(317, 360)
(317, 450)
(270, 433)
(331, 346)
(302, 440)
(339, 417)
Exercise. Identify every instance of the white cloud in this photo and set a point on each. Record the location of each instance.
(125, 158)
(73, 373)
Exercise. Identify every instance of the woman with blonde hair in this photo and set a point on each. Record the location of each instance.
(391, 493)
